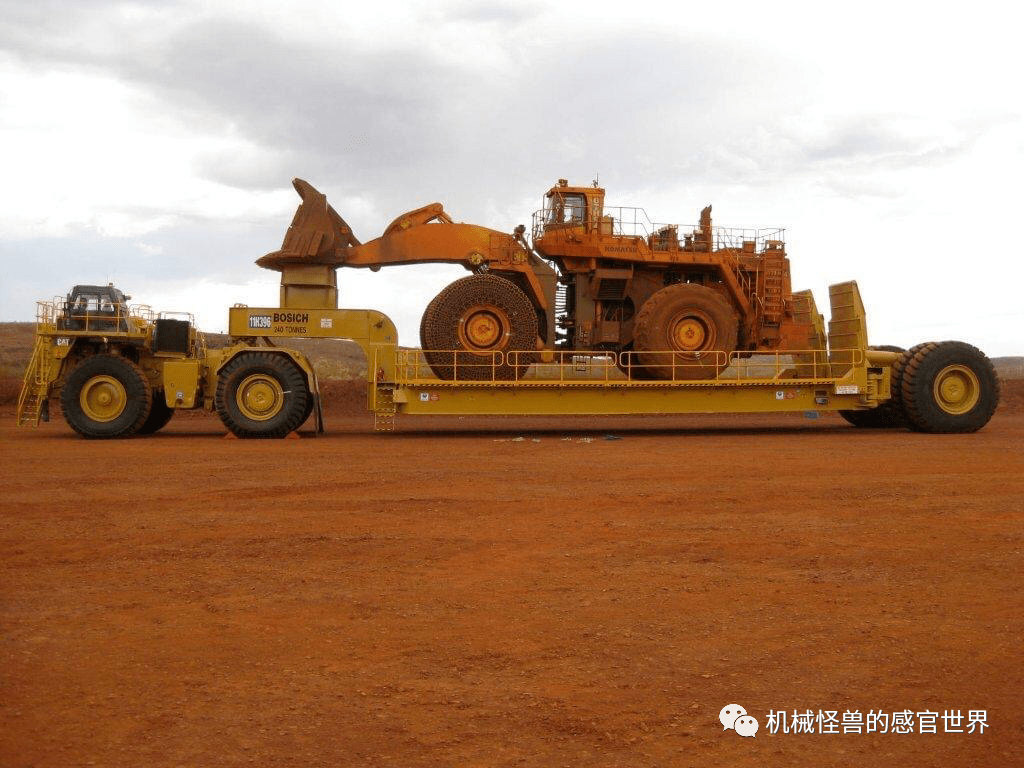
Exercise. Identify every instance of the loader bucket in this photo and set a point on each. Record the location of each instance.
(317, 235)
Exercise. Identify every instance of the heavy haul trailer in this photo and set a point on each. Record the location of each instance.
(489, 341)
(945, 387)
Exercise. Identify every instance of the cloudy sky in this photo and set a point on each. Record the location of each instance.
(152, 143)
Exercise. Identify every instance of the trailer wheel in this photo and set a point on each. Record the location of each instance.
(898, 369)
(106, 396)
(261, 394)
(158, 417)
(685, 331)
(888, 415)
(949, 386)
(480, 327)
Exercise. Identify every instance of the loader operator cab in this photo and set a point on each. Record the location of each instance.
(95, 308)
(568, 207)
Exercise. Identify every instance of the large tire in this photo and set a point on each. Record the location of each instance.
(480, 328)
(428, 320)
(308, 411)
(158, 417)
(262, 394)
(685, 331)
(949, 386)
(888, 415)
(898, 369)
(106, 396)
(881, 417)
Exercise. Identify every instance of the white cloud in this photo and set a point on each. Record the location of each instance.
(154, 142)
(86, 151)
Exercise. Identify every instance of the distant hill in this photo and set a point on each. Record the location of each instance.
(1009, 367)
(16, 341)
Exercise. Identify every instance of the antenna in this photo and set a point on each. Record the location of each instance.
(597, 178)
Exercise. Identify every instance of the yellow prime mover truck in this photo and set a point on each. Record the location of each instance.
(588, 319)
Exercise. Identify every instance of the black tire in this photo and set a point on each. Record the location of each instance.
(427, 320)
(898, 368)
(480, 328)
(888, 415)
(106, 396)
(158, 417)
(262, 394)
(310, 402)
(678, 326)
(949, 387)
(885, 416)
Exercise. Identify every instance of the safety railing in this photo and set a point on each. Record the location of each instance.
(738, 238)
(649, 368)
(144, 312)
(56, 316)
(635, 223)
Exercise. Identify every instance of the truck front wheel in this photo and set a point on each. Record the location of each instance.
(106, 396)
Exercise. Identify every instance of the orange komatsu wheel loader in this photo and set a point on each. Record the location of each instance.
(593, 278)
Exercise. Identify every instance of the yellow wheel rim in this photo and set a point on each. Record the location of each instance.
(260, 397)
(103, 398)
(484, 329)
(956, 389)
(690, 334)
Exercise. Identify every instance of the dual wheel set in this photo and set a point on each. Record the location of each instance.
(938, 386)
(484, 327)
(259, 394)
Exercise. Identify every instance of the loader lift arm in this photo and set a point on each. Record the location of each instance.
(319, 237)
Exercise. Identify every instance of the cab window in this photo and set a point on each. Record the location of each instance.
(566, 209)
(573, 209)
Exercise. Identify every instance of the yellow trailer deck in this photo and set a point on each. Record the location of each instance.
(849, 377)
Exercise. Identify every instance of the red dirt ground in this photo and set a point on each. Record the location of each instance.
(453, 595)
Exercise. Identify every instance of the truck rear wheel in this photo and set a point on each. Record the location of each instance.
(106, 396)
(261, 394)
(158, 417)
(308, 410)
(479, 328)
(685, 331)
(949, 386)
